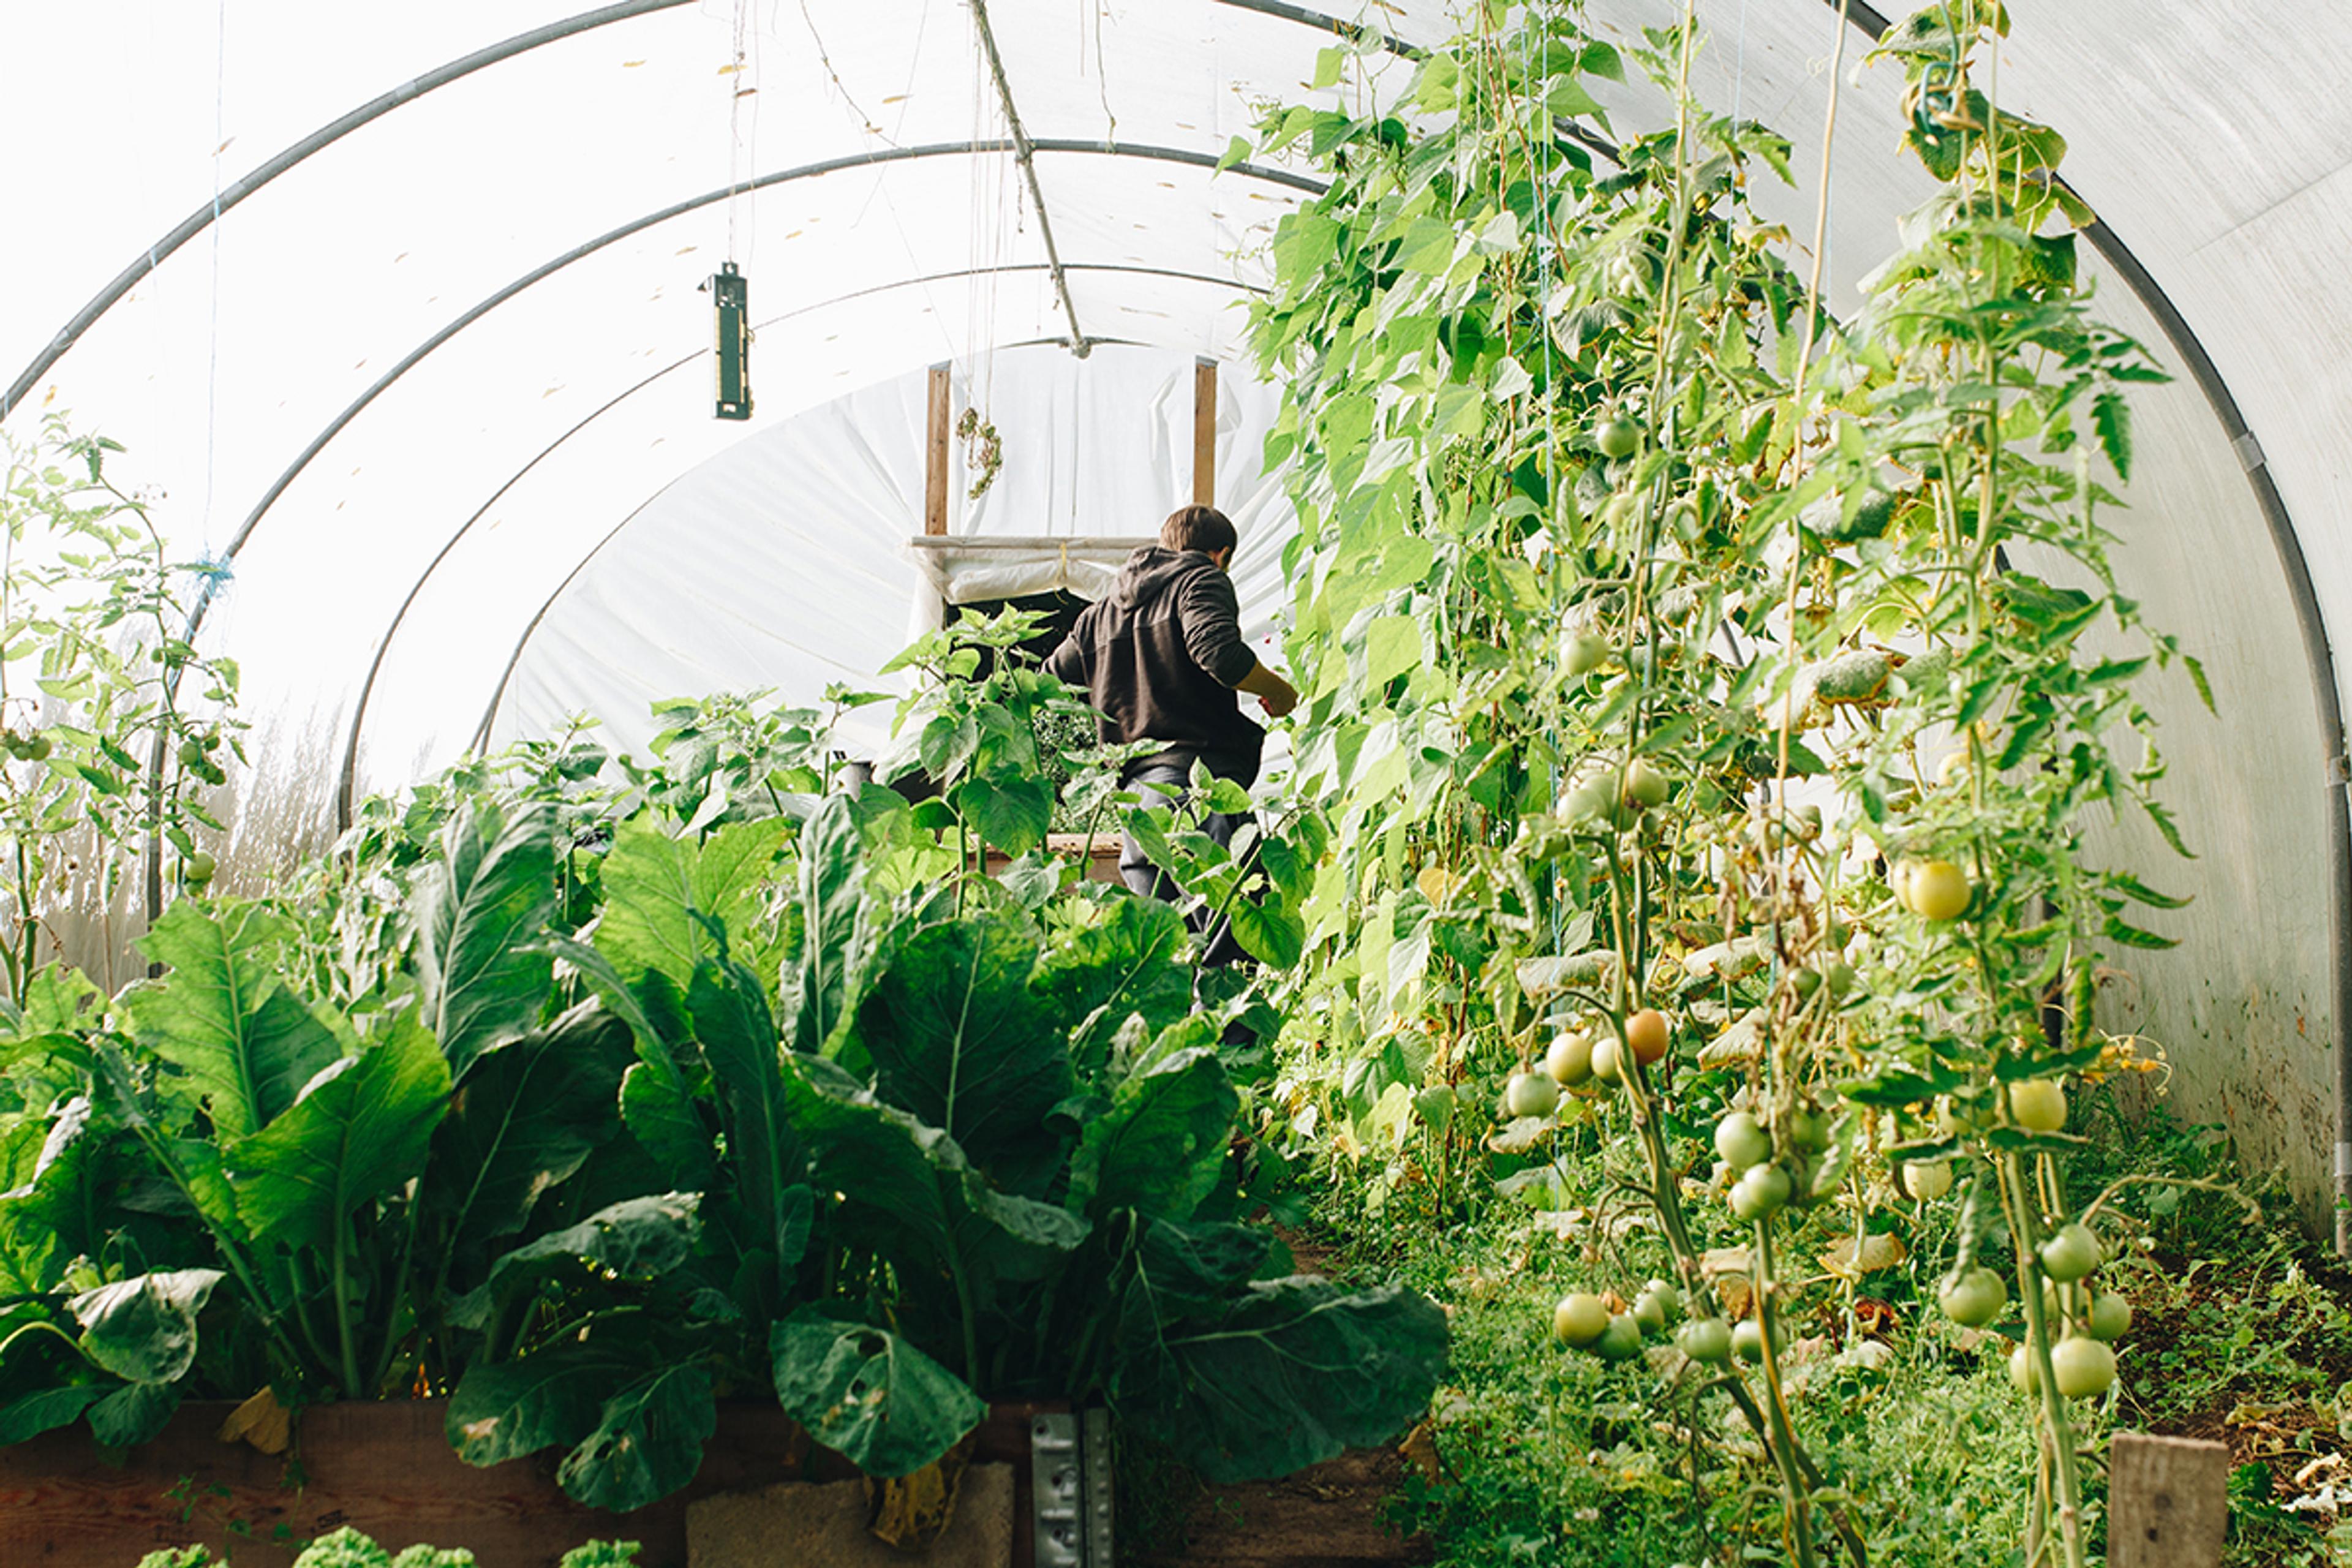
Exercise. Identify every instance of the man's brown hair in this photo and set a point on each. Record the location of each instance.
(1201, 528)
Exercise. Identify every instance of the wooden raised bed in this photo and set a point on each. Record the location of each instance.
(386, 1469)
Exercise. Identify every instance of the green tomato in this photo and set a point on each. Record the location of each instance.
(2083, 1368)
(197, 869)
(1934, 889)
(38, 748)
(1579, 1319)
(1974, 1298)
(1658, 1305)
(1584, 653)
(2038, 1104)
(1643, 785)
(1748, 1340)
(1809, 1129)
(1927, 1179)
(2070, 1252)
(1742, 1141)
(1570, 1060)
(1761, 1190)
(1531, 1094)
(1841, 978)
(192, 753)
(2111, 1317)
(1616, 436)
(1805, 982)
(1621, 1340)
(2021, 1369)
(1605, 1063)
(1706, 1340)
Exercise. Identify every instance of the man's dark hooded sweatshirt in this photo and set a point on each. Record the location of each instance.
(1159, 658)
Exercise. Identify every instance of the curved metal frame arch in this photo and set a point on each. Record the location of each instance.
(285, 158)
(2310, 620)
(347, 771)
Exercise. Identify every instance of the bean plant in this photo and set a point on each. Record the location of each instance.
(1708, 697)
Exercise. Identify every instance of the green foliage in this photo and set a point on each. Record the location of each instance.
(796, 1117)
(127, 723)
(1610, 538)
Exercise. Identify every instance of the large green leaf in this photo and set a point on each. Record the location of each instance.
(868, 1394)
(1112, 960)
(666, 1121)
(144, 1329)
(647, 1441)
(44, 1410)
(1160, 1146)
(134, 1414)
(1290, 1374)
(664, 896)
(764, 1155)
(487, 899)
(957, 1037)
(246, 1045)
(531, 1115)
(636, 1238)
(359, 1131)
(831, 895)
(552, 1397)
(657, 1101)
(47, 1213)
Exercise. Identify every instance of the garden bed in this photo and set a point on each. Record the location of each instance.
(386, 1469)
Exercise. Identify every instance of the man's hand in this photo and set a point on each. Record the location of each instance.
(1277, 695)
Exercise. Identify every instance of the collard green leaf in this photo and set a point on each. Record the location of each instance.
(1184, 1267)
(666, 1121)
(30, 1414)
(246, 1045)
(145, 1330)
(637, 1238)
(957, 1037)
(1110, 961)
(553, 1397)
(647, 1441)
(360, 1129)
(832, 894)
(868, 1394)
(531, 1115)
(764, 1155)
(134, 1414)
(1287, 1375)
(664, 896)
(1159, 1148)
(883, 1162)
(487, 898)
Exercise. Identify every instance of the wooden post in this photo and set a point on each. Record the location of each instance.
(2168, 1502)
(1204, 432)
(935, 464)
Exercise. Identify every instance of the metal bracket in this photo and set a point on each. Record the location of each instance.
(1070, 1489)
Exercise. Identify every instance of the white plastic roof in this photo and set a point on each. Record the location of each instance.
(579, 190)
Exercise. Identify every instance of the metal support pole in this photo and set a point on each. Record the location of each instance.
(1024, 152)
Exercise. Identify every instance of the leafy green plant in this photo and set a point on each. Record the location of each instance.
(772, 1109)
(349, 1548)
(114, 746)
(1638, 601)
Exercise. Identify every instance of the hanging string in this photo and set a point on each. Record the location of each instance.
(212, 367)
(1739, 76)
(737, 58)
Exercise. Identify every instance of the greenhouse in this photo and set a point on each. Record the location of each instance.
(1064, 782)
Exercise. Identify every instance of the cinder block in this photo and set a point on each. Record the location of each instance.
(795, 1524)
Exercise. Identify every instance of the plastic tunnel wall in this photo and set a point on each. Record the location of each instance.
(521, 197)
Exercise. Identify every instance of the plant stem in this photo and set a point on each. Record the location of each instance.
(347, 1342)
(2017, 1192)
(1784, 1439)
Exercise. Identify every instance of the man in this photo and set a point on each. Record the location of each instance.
(1162, 658)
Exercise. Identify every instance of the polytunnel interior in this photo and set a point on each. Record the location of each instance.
(401, 313)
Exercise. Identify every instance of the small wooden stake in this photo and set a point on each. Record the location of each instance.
(1204, 432)
(2168, 1502)
(935, 463)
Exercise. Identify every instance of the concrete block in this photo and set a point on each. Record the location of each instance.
(796, 1524)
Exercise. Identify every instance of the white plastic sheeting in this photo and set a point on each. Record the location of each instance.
(2214, 139)
(785, 561)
